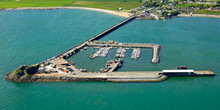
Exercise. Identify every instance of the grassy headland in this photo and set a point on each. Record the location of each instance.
(22, 72)
(126, 5)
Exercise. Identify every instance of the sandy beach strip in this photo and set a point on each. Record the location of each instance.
(122, 14)
(200, 15)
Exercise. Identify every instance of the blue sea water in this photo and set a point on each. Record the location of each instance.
(31, 36)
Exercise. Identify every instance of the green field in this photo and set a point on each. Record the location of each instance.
(110, 5)
(186, 5)
(33, 3)
(207, 12)
(103, 4)
(203, 11)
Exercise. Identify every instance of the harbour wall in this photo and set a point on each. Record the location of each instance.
(135, 76)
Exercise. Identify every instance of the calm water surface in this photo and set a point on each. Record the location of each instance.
(28, 37)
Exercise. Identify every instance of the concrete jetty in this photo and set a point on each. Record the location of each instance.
(155, 47)
(116, 65)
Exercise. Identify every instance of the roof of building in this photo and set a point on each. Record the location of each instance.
(177, 71)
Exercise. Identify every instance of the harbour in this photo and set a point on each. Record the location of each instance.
(59, 69)
(59, 65)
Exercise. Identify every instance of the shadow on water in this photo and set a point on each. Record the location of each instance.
(185, 79)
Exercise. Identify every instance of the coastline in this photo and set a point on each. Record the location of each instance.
(122, 14)
(199, 15)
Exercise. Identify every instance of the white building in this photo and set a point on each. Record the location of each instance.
(178, 72)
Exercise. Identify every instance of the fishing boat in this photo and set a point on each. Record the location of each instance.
(182, 67)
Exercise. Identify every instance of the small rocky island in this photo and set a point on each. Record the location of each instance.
(22, 73)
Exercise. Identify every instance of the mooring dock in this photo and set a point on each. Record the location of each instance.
(155, 47)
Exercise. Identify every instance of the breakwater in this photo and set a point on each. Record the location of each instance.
(134, 76)
(34, 73)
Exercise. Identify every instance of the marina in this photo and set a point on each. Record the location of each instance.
(136, 46)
